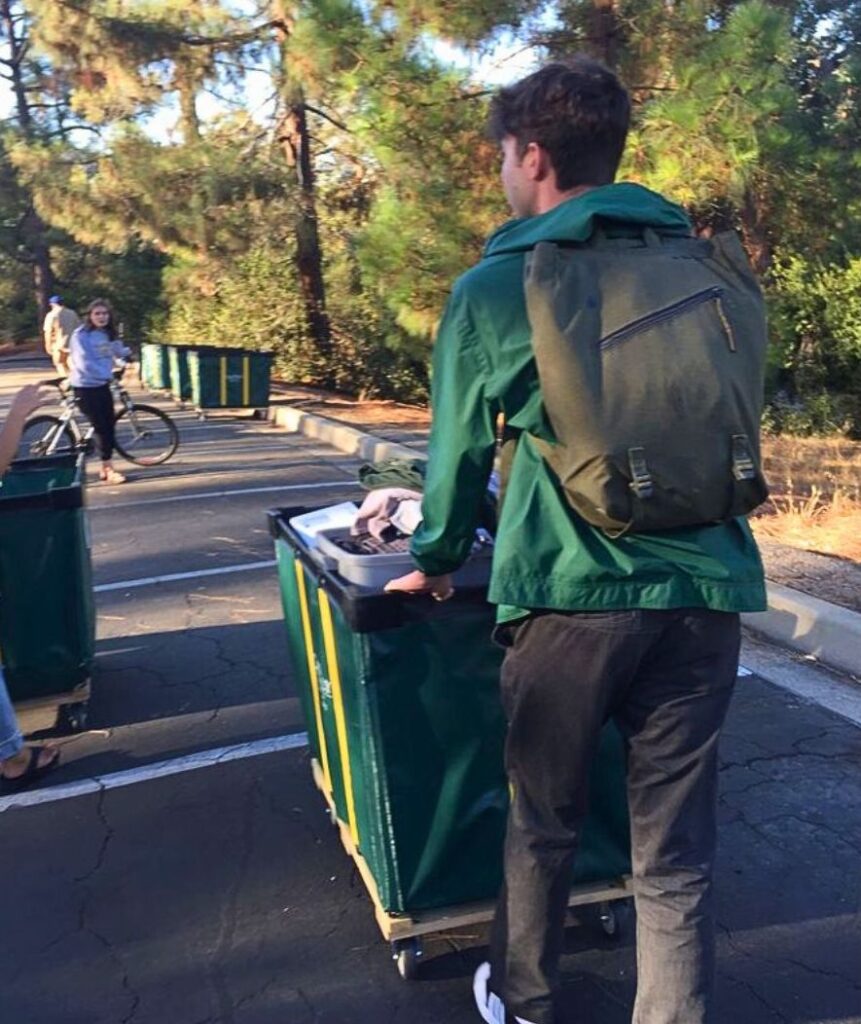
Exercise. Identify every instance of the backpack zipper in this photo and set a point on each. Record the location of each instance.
(713, 294)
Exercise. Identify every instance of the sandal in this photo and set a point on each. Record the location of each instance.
(32, 773)
(112, 476)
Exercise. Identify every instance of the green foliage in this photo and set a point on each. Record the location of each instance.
(18, 319)
(706, 139)
(256, 305)
(815, 378)
(130, 280)
(746, 111)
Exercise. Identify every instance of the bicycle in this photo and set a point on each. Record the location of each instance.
(145, 435)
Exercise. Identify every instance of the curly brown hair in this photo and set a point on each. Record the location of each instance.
(576, 110)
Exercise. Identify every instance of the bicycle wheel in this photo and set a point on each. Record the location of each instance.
(46, 435)
(145, 435)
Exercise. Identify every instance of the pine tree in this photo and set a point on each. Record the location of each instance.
(28, 240)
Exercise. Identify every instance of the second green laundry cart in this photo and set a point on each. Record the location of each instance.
(47, 610)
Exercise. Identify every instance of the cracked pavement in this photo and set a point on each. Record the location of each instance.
(222, 895)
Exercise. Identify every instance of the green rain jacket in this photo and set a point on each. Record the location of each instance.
(547, 556)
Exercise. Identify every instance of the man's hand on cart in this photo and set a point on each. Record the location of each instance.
(439, 587)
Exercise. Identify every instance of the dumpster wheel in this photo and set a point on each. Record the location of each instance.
(73, 717)
(608, 919)
(407, 953)
(612, 918)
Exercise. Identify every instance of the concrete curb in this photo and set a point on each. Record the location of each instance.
(826, 631)
(348, 439)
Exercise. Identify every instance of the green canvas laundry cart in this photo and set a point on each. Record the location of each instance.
(229, 378)
(155, 366)
(47, 613)
(180, 380)
(406, 732)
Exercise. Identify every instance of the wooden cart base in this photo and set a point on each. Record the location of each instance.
(68, 709)
(404, 930)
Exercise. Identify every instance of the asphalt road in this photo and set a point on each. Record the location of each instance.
(219, 894)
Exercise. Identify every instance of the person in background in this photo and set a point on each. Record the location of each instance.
(60, 322)
(90, 356)
(20, 765)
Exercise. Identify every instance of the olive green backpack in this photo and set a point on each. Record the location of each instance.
(651, 355)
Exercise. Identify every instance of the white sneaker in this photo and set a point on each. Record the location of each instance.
(490, 1006)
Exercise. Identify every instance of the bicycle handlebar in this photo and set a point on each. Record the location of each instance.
(62, 383)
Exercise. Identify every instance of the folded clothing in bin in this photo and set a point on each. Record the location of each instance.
(371, 562)
(371, 559)
(388, 510)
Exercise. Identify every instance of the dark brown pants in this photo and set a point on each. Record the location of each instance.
(665, 678)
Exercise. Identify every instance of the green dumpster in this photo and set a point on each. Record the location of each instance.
(47, 614)
(406, 731)
(155, 366)
(229, 378)
(180, 381)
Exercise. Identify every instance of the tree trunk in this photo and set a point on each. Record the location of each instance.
(34, 228)
(43, 275)
(296, 146)
(604, 32)
(189, 121)
(754, 233)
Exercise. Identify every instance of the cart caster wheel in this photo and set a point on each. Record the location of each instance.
(610, 920)
(407, 954)
(201, 415)
(73, 717)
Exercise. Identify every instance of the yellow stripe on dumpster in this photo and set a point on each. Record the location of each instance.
(222, 365)
(246, 380)
(312, 671)
(338, 706)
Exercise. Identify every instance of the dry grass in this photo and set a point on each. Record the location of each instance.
(815, 494)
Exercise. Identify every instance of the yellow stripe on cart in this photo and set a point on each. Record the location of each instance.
(312, 671)
(222, 365)
(338, 706)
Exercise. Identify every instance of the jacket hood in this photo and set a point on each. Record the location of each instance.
(574, 220)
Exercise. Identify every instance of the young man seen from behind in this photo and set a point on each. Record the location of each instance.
(641, 628)
(59, 325)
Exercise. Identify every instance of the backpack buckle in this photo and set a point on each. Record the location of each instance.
(641, 479)
(743, 466)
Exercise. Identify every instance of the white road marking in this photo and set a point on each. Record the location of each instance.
(174, 576)
(244, 429)
(164, 769)
(199, 450)
(158, 770)
(346, 482)
(804, 677)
